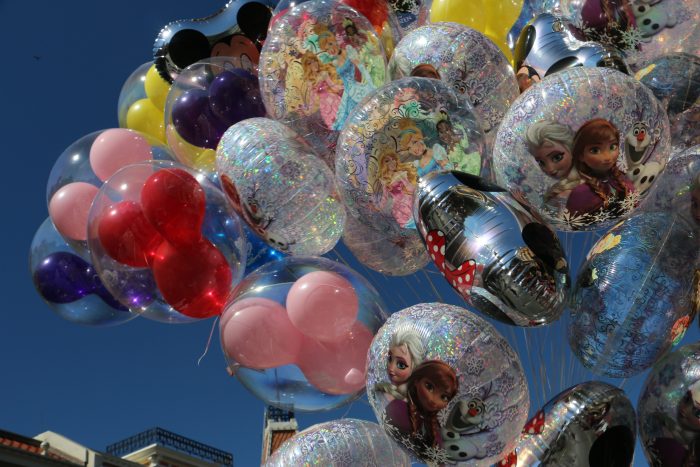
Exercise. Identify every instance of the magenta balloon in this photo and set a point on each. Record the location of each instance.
(69, 208)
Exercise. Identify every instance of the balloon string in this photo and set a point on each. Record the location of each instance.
(211, 334)
(430, 281)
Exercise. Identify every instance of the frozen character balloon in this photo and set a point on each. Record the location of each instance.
(405, 354)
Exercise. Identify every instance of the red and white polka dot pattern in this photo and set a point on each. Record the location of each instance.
(536, 424)
(461, 278)
(510, 461)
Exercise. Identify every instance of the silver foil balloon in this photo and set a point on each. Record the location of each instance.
(503, 260)
(590, 424)
(341, 443)
(669, 409)
(549, 43)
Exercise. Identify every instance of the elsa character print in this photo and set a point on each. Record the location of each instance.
(406, 352)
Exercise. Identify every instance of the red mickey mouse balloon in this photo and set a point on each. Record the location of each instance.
(127, 236)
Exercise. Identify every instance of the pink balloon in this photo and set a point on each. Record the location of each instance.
(322, 305)
(337, 367)
(116, 148)
(69, 208)
(257, 333)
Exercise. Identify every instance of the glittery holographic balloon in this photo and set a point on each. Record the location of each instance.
(632, 299)
(318, 62)
(642, 29)
(581, 147)
(479, 399)
(280, 364)
(465, 59)
(173, 227)
(669, 409)
(69, 284)
(280, 187)
(403, 131)
(592, 423)
(491, 249)
(347, 442)
(397, 255)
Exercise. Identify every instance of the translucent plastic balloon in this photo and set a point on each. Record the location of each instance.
(632, 300)
(276, 355)
(258, 252)
(69, 284)
(479, 399)
(142, 100)
(80, 170)
(592, 423)
(492, 250)
(170, 226)
(465, 59)
(668, 408)
(397, 255)
(204, 101)
(280, 187)
(318, 62)
(581, 147)
(642, 29)
(343, 442)
(403, 131)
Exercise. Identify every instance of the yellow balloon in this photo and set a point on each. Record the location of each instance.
(156, 87)
(202, 159)
(494, 18)
(145, 117)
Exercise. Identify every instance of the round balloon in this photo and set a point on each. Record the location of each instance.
(171, 225)
(668, 408)
(446, 385)
(69, 284)
(280, 187)
(297, 331)
(340, 442)
(319, 61)
(498, 256)
(632, 299)
(575, 147)
(466, 60)
(142, 100)
(403, 131)
(592, 423)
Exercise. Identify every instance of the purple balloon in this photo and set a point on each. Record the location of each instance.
(234, 95)
(194, 120)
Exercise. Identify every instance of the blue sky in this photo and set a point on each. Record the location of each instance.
(65, 63)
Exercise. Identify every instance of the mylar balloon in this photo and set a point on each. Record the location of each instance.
(237, 31)
(632, 298)
(494, 252)
(171, 224)
(79, 171)
(69, 284)
(548, 44)
(668, 409)
(280, 187)
(258, 252)
(446, 385)
(345, 442)
(411, 13)
(297, 331)
(465, 59)
(576, 144)
(403, 131)
(592, 423)
(319, 61)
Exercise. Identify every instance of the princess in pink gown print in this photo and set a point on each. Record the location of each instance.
(399, 183)
(326, 87)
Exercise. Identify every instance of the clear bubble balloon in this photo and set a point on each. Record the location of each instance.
(205, 99)
(576, 146)
(80, 170)
(479, 399)
(280, 187)
(170, 226)
(318, 62)
(142, 100)
(340, 442)
(466, 60)
(668, 408)
(632, 299)
(69, 283)
(592, 423)
(498, 256)
(403, 131)
(270, 332)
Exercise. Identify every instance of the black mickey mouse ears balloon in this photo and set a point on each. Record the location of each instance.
(238, 31)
